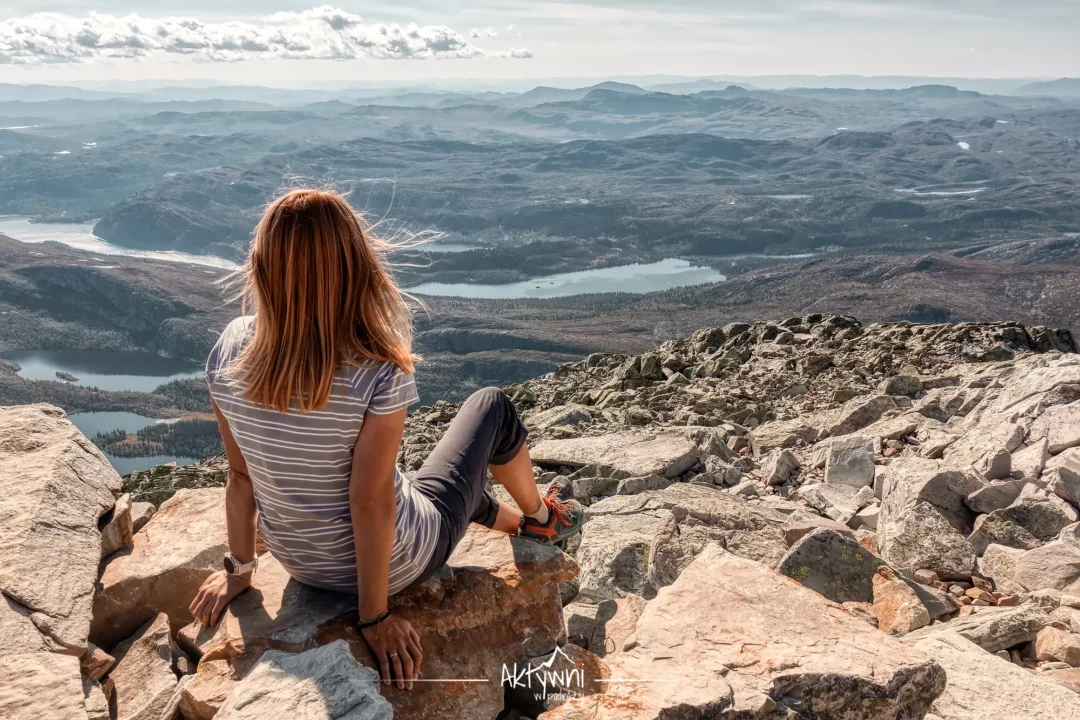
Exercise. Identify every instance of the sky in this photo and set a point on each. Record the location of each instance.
(294, 43)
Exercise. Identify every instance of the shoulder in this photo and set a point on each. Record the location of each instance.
(237, 331)
(230, 343)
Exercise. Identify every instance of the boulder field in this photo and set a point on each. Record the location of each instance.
(804, 519)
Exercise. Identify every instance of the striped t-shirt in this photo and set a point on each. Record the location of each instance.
(300, 465)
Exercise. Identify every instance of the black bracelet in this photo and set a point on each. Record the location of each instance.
(372, 623)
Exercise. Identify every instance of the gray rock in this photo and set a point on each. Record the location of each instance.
(921, 538)
(1054, 565)
(907, 385)
(1042, 517)
(560, 416)
(1065, 483)
(982, 685)
(783, 434)
(674, 547)
(745, 489)
(615, 543)
(702, 516)
(996, 529)
(866, 518)
(638, 485)
(1060, 425)
(995, 496)
(1037, 380)
(580, 618)
(54, 485)
(837, 502)
(944, 403)
(850, 461)
(858, 413)
(1028, 462)
(143, 676)
(326, 683)
(833, 564)
(633, 452)
(911, 480)
(999, 563)
(586, 488)
(801, 523)
(988, 448)
(40, 685)
(991, 628)
(778, 467)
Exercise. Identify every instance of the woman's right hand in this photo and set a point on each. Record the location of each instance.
(216, 593)
(397, 648)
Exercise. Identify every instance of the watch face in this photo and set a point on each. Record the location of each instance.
(229, 566)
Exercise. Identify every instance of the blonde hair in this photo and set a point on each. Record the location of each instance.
(323, 297)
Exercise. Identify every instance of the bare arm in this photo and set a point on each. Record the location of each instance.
(373, 505)
(240, 520)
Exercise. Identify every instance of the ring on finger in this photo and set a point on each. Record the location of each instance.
(394, 654)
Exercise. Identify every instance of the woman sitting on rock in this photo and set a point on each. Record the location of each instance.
(310, 393)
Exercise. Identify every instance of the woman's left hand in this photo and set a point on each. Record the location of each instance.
(397, 648)
(216, 593)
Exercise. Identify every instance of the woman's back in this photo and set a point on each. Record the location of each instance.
(300, 465)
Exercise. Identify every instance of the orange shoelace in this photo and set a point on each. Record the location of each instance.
(560, 509)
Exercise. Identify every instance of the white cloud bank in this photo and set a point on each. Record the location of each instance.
(321, 33)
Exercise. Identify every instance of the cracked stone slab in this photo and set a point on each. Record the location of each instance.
(54, 485)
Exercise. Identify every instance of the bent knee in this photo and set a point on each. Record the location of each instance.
(488, 397)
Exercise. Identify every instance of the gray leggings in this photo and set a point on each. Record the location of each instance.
(486, 431)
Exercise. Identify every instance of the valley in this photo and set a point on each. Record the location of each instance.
(533, 228)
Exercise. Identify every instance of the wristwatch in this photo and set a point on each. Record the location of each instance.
(233, 566)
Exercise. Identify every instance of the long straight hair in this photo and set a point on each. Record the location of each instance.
(323, 297)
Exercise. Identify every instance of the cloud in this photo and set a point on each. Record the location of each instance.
(483, 32)
(321, 33)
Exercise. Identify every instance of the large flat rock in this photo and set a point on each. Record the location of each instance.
(36, 686)
(616, 541)
(497, 601)
(982, 685)
(732, 638)
(326, 682)
(635, 453)
(162, 569)
(748, 530)
(1055, 565)
(1064, 371)
(54, 485)
(991, 628)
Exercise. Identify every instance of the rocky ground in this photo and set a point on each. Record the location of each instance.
(805, 519)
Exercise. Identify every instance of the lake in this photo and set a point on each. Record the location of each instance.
(81, 237)
(104, 369)
(643, 278)
(92, 423)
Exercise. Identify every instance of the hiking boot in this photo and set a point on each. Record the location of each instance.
(565, 516)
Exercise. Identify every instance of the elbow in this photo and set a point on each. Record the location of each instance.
(373, 505)
(239, 479)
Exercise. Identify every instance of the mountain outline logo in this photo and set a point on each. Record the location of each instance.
(567, 683)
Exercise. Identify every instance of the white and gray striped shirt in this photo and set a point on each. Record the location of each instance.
(300, 466)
